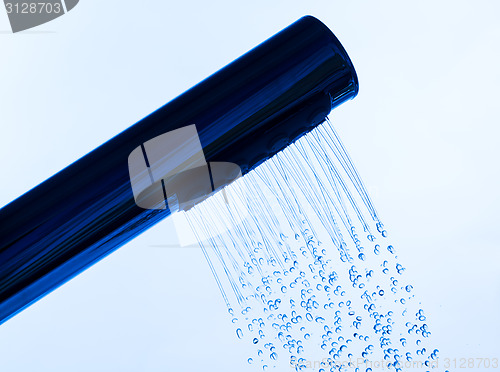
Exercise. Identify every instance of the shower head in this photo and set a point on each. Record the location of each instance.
(240, 116)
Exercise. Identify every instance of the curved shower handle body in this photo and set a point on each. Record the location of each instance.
(244, 114)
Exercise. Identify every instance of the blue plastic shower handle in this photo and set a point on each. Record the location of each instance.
(244, 114)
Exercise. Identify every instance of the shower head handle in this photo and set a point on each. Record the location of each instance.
(244, 114)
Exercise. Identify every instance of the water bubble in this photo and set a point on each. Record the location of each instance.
(239, 333)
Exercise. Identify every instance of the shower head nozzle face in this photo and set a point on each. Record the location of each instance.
(170, 171)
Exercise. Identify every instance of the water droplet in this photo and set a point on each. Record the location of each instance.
(239, 333)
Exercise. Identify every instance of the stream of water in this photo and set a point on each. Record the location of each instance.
(306, 267)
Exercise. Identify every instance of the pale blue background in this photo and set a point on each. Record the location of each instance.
(424, 133)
